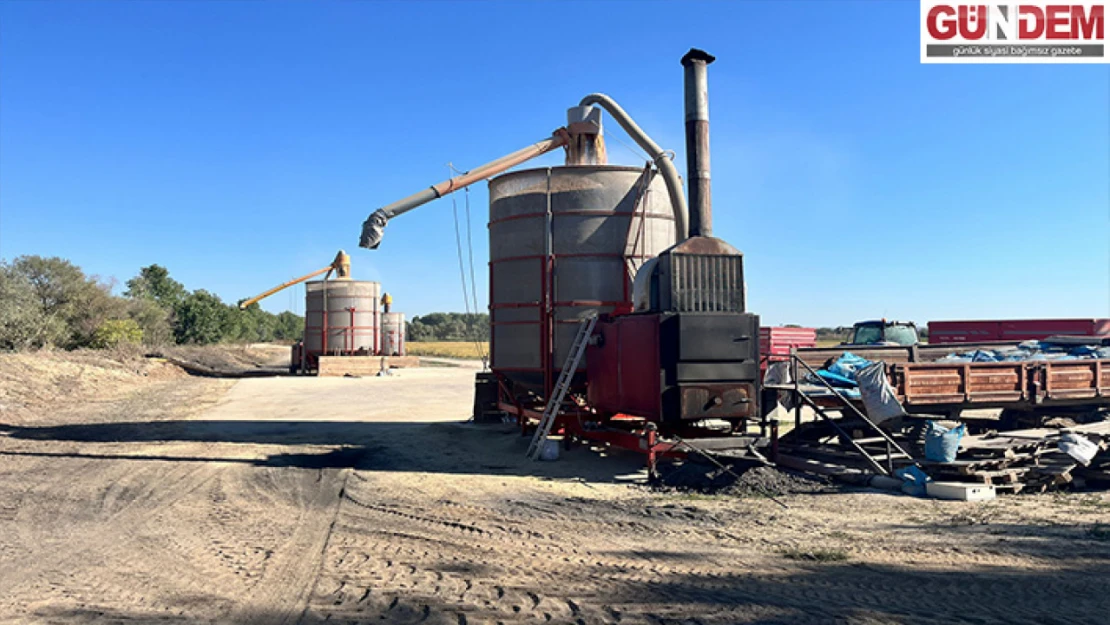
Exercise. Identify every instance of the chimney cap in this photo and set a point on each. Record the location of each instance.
(697, 55)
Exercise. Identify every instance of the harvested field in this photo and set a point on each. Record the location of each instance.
(448, 349)
(170, 498)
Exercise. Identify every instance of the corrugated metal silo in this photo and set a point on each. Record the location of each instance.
(351, 325)
(565, 241)
(393, 334)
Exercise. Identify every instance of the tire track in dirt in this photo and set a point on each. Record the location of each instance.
(408, 555)
(112, 533)
(425, 539)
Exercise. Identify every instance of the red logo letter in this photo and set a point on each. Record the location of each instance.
(1058, 15)
(978, 14)
(935, 23)
(1030, 22)
(1086, 25)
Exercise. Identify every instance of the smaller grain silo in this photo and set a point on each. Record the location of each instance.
(341, 318)
(393, 334)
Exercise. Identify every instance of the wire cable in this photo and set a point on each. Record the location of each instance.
(467, 293)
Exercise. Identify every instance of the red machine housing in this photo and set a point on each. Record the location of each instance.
(671, 367)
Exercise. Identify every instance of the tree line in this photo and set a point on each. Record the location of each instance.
(50, 302)
(449, 326)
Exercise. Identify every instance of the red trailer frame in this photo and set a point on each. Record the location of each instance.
(622, 431)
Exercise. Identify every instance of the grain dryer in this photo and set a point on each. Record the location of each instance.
(674, 351)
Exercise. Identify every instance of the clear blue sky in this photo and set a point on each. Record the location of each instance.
(242, 143)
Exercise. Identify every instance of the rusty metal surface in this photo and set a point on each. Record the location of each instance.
(701, 274)
(935, 383)
(560, 138)
(586, 145)
(661, 158)
(1077, 379)
(707, 246)
(373, 229)
(560, 248)
(716, 401)
(696, 81)
(1002, 383)
(698, 178)
(706, 283)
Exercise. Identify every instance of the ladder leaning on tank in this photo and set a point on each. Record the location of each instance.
(555, 402)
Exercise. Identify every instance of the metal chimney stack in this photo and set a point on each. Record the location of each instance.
(697, 141)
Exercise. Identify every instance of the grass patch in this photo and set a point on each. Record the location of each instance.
(468, 350)
(815, 555)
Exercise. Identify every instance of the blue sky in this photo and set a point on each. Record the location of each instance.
(241, 144)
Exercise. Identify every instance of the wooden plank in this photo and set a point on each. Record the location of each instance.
(815, 466)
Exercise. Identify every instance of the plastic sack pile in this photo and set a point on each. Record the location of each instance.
(859, 378)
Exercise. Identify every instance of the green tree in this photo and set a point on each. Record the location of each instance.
(449, 327)
(153, 319)
(22, 324)
(201, 318)
(154, 282)
(71, 304)
(289, 327)
(252, 325)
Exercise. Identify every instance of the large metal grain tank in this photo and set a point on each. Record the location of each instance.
(353, 325)
(393, 334)
(565, 241)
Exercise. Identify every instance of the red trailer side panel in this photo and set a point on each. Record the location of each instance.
(1013, 330)
(1024, 330)
(776, 341)
(964, 331)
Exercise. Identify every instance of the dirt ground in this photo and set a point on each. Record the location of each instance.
(144, 495)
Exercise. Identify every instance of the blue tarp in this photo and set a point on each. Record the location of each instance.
(842, 373)
(1029, 350)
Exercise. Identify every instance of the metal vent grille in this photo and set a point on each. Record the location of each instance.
(707, 283)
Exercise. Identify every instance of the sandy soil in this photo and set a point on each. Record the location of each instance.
(283, 500)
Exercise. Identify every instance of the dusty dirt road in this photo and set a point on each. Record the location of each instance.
(303, 500)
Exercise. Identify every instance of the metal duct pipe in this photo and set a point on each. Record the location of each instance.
(374, 227)
(662, 161)
(697, 141)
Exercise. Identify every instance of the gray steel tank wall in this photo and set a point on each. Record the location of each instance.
(393, 334)
(583, 216)
(342, 295)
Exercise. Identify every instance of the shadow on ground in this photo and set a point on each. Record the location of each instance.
(842, 593)
(456, 448)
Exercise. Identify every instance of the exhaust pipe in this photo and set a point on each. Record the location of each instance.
(697, 141)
